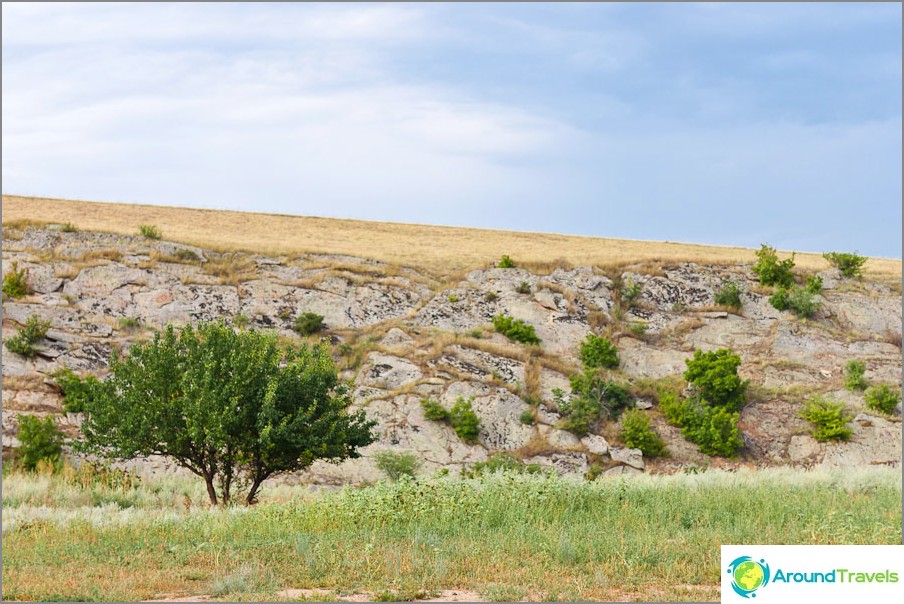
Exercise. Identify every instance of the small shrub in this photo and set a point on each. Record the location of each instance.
(780, 300)
(523, 288)
(491, 296)
(631, 291)
(23, 342)
(637, 328)
(500, 462)
(129, 323)
(717, 433)
(150, 231)
(771, 271)
(434, 411)
(829, 418)
(76, 391)
(714, 376)
(814, 284)
(453, 299)
(308, 323)
(527, 417)
(241, 320)
(506, 262)
(882, 398)
(593, 399)
(802, 302)
(395, 465)
(515, 329)
(854, 379)
(850, 265)
(41, 441)
(15, 282)
(638, 433)
(729, 294)
(597, 351)
(186, 255)
(68, 227)
(678, 411)
(464, 421)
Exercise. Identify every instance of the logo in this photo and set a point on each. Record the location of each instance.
(748, 575)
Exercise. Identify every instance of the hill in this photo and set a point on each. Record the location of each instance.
(440, 250)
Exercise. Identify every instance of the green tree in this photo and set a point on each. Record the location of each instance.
(228, 406)
(464, 421)
(41, 440)
(714, 376)
(850, 264)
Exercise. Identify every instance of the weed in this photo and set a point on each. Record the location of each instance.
(527, 417)
(637, 432)
(68, 227)
(515, 329)
(15, 282)
(598, 352)
(453, 299)
(434, 411)
(854, 378)
(149, 231)
(829, 419)
(523, 288)
(395, 465)
(23, 342)
(506, 262)
(729, 294)
(464, 421)
(770, 270)
(882, 398)
(491, 296)
(308, 323)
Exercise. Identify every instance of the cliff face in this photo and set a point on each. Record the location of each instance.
(402, 336)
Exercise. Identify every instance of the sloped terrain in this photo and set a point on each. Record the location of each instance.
(401, 336)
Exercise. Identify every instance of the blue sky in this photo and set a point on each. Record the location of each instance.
(715, 123)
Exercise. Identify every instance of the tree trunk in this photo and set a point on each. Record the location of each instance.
(211, 491)
(254, 487)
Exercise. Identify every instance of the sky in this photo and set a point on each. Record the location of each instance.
(733, 124)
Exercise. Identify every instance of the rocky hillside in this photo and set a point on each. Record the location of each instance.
(401, 336)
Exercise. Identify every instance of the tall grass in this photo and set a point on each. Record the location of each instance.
(548, 537)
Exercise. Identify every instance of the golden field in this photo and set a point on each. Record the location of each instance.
(440, 250)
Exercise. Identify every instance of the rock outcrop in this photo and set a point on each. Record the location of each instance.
(402, 336)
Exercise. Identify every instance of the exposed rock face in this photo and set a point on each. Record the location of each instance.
(403, 336)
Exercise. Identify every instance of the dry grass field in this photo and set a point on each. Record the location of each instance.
(439, 250)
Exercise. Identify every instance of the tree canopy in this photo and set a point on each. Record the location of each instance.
(230, 406)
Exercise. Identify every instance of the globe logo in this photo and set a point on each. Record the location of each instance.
(748, 575)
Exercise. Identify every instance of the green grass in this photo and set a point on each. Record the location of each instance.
(501, 535)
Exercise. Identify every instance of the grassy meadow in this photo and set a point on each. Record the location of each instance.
(440, 250)
(503, 536)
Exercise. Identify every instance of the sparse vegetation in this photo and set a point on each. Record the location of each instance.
(308, 323)
(506, 262)
(15, 282)
(523, 288)
(149, 231)
(882, 398)
(68, 227)
(396, 465)
(186, 255)
(453, 299)
(631, 291)
(527, 417)
(41, 441)
(729, 294)
(637, 432)
(129, 323)
(850, 264)
(771, 270)
(491, 296)
(597, 352)
(828, 418)
(814, 284)
(515, 329)
(23, 342)
(854, 378)
(241, 320)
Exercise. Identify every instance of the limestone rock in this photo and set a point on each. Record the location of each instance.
(629, 457)
(595, 444)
